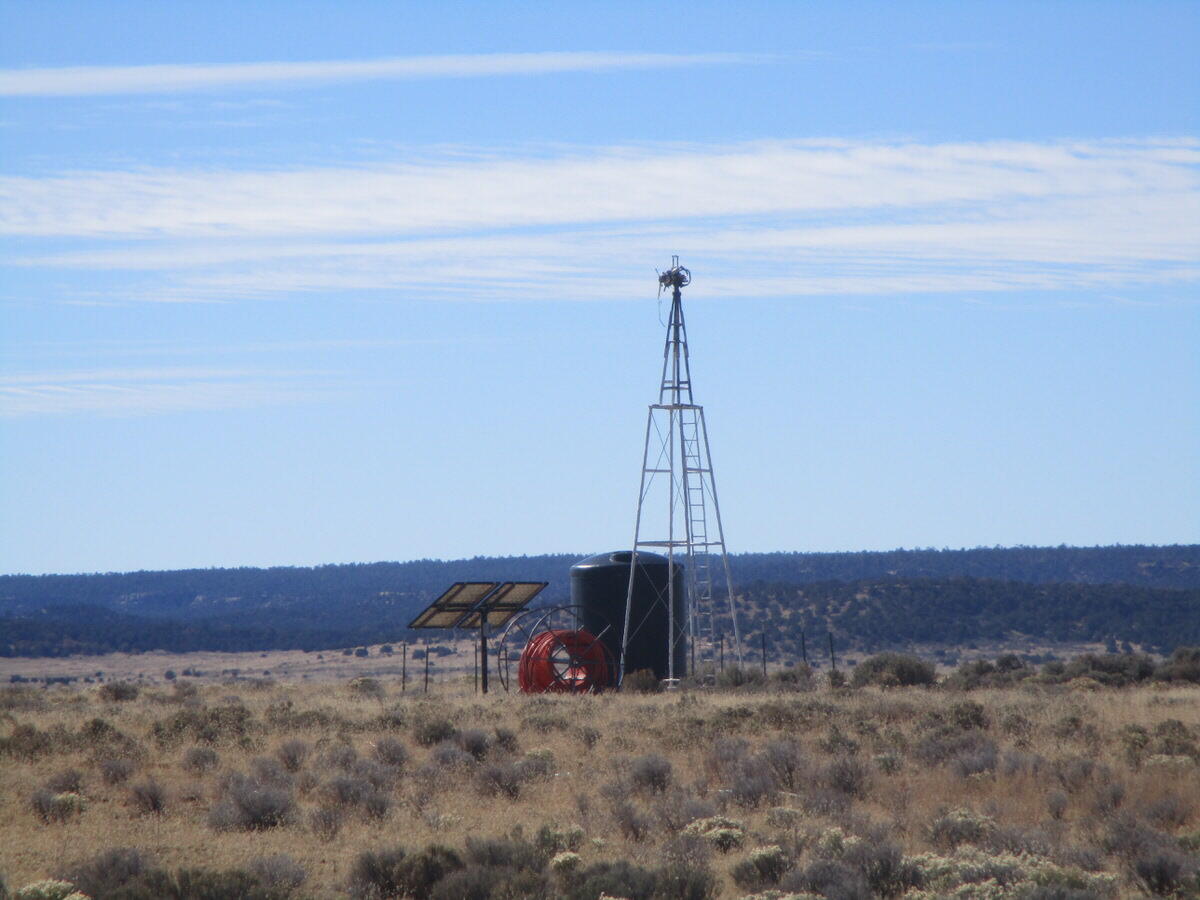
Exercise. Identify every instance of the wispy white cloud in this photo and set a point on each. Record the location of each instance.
(92, 80)
(618, 185)
(792, 218)
(141, 391)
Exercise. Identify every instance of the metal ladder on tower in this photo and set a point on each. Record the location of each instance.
(699, 569)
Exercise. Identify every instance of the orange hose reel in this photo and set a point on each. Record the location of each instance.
(564, 661)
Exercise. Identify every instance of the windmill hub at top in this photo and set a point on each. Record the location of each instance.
(666, 606)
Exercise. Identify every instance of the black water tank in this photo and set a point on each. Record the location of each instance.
(599, 585)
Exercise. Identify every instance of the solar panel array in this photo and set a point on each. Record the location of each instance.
(465, 603)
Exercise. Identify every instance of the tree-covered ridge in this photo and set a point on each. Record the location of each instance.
(1147, 595)
(891, 613)
(201, 592)
(1172, 566)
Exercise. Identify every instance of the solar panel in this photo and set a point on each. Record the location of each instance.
(508, 600)
(458, 600)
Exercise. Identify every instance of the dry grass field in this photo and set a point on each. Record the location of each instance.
(305, 789)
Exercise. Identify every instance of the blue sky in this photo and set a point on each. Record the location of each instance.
(295, 283)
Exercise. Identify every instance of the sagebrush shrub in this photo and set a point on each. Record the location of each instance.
(199, 760)
(183, 692)
(722, 833)
(960, 826)
(794, 678)
(740, 678)
(975, 761)
(787, 762)
(889, 763)
(1056, 804)
(588, 736)
(537, 763)
(430, 731)
(633, 824)
(762, 868)
(249, 805)
(149, 797)
(847, 775)
(753, 784)
(503, 778)
(229, 723)
(968, 714)
(1074, 773)
(50, 889)
(107, 872)
(28, 742)
(325, 822)
(347, 791)
(680, 881)
(724, 757)
(650, 773)
(484, 883)
(1184, 665)
(1163, 870)
(60, 807)
(512, 852)
(679, 807)
(1173, 738)
(394, 873)
(292, 754)
(116, 771)
(830, 878)
(506, 739)
(280, 873)
(1112, 669)
(367, 687)
(475, 742)
(118, 691)
(66, 781)
(270, 771)
(449, 755)
(614, 879)
(339, 756)
(642, 681)
(1107, 798)
(391, 752)
(944, 745)
(367, 788)
(894, 670)
(551, 839)
(883, 866)
(380, 776)
(1169, 812)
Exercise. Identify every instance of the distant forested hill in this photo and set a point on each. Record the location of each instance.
(961, 594)
(893, 613)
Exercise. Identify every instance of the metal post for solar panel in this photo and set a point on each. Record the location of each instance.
(404, 667)
(427, 665)
(803, 647)
(483, 649)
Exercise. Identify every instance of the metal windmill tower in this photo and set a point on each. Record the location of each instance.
(677, 511)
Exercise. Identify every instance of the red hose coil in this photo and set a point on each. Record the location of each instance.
(563, 661)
